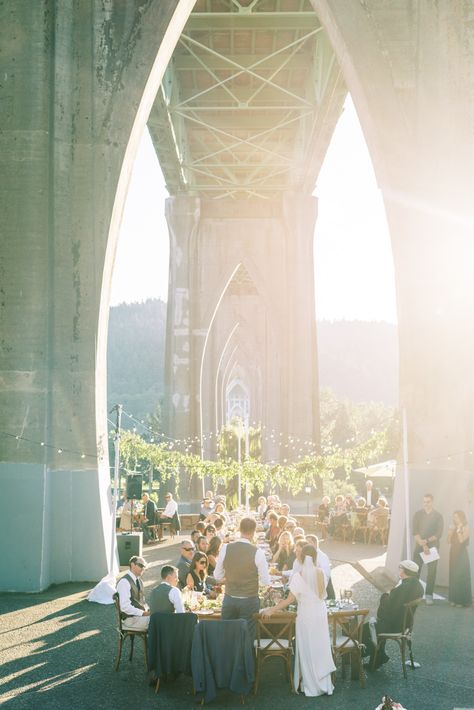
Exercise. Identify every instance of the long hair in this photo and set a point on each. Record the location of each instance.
(198, 556)
(461, 515)
(310, 551)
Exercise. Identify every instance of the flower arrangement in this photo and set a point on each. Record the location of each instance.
(389, 704)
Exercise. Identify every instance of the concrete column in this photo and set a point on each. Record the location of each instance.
(181, 416)
(71, 93)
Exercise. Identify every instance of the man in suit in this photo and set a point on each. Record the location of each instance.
(243, 566)
(391, 609)
(149, 512)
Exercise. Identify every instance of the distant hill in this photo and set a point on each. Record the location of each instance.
(357, 360)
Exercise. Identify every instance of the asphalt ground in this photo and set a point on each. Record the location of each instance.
(58, 650)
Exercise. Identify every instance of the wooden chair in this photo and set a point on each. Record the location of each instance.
(275, 639)
(342, 531)
(404, 637)
(346, 638)
(359, 524)
(380, 528)
(123, 633)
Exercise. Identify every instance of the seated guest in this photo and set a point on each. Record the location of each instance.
(391, 609)
(207, 507)
(298, 531)
(209, 532)
(380, 513)
(202, 544)
(212, 553)
(196, 578)
(195, 535)
(134, 611)
(359, 515)
(149, 512)
(170, 510)
(262, 507)
(285, 510)
(222, 512)
(273, 530)
(291, 526)
(324, 510)
(338, 515)
(285, 554)
(187, 551)
(324, 563)
(220, 528)
(349, 503)
(201, 526)
(166, 597)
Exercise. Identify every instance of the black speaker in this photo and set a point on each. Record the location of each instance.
(134, 485)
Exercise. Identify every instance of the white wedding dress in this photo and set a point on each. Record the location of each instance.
(313, 662)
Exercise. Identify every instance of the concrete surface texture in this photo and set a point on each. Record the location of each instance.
(58, 649)
(78, 84)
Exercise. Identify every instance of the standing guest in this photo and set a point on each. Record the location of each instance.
(391, 609)
(427, 529)
(460, 593)
(313, 658)
(324, 563)
(371, 494)
(203, 544)
(171, 509)
(284, 557)
(149, 513)
(166, 597)
(209, 532)
(213, 553)
(196, 577)
(126, 514)
(187, 551)
(134, 611)
(243, 566)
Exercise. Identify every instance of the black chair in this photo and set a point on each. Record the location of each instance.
(124, 633)
(404, 637)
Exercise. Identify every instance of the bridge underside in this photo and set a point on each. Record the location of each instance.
(78, 83)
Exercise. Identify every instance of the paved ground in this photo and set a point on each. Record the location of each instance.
(57, 649)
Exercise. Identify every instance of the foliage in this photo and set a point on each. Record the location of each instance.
(318, 472)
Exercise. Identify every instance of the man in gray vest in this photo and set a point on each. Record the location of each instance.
(166, 597)
(133, 608)
(243, 566)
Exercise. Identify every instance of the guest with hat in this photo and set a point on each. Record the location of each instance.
(392, 608)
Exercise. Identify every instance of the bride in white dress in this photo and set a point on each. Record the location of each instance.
(313, 659)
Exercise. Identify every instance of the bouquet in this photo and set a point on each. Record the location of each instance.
(389, 704)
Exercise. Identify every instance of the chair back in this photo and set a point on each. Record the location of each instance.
(116, 599)
(275, 634)
(409, 616)
(346, 629)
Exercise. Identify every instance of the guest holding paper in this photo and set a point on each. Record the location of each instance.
(460, 593)
(427, 530)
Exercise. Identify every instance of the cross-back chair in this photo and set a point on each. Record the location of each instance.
(404, 637)
(275, 636)
(124, 633)
(346, 638)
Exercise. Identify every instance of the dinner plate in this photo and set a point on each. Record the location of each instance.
(207, 612)
(277, 585)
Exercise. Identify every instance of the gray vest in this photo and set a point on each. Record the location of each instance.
(137, 598)
(241, 574)
(159, 599)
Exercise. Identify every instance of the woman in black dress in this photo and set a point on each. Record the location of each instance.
(459, 568)
(196, 577)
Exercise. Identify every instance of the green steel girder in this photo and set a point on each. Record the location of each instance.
(249, 101)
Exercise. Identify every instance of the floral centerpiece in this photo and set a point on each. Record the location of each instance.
(196, 601)
(387, 704)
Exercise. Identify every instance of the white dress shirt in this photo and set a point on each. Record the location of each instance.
(171, 509)
(260, 563)
(176, 599)
(123, 589)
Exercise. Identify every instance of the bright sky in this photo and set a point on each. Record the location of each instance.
(353, 270)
